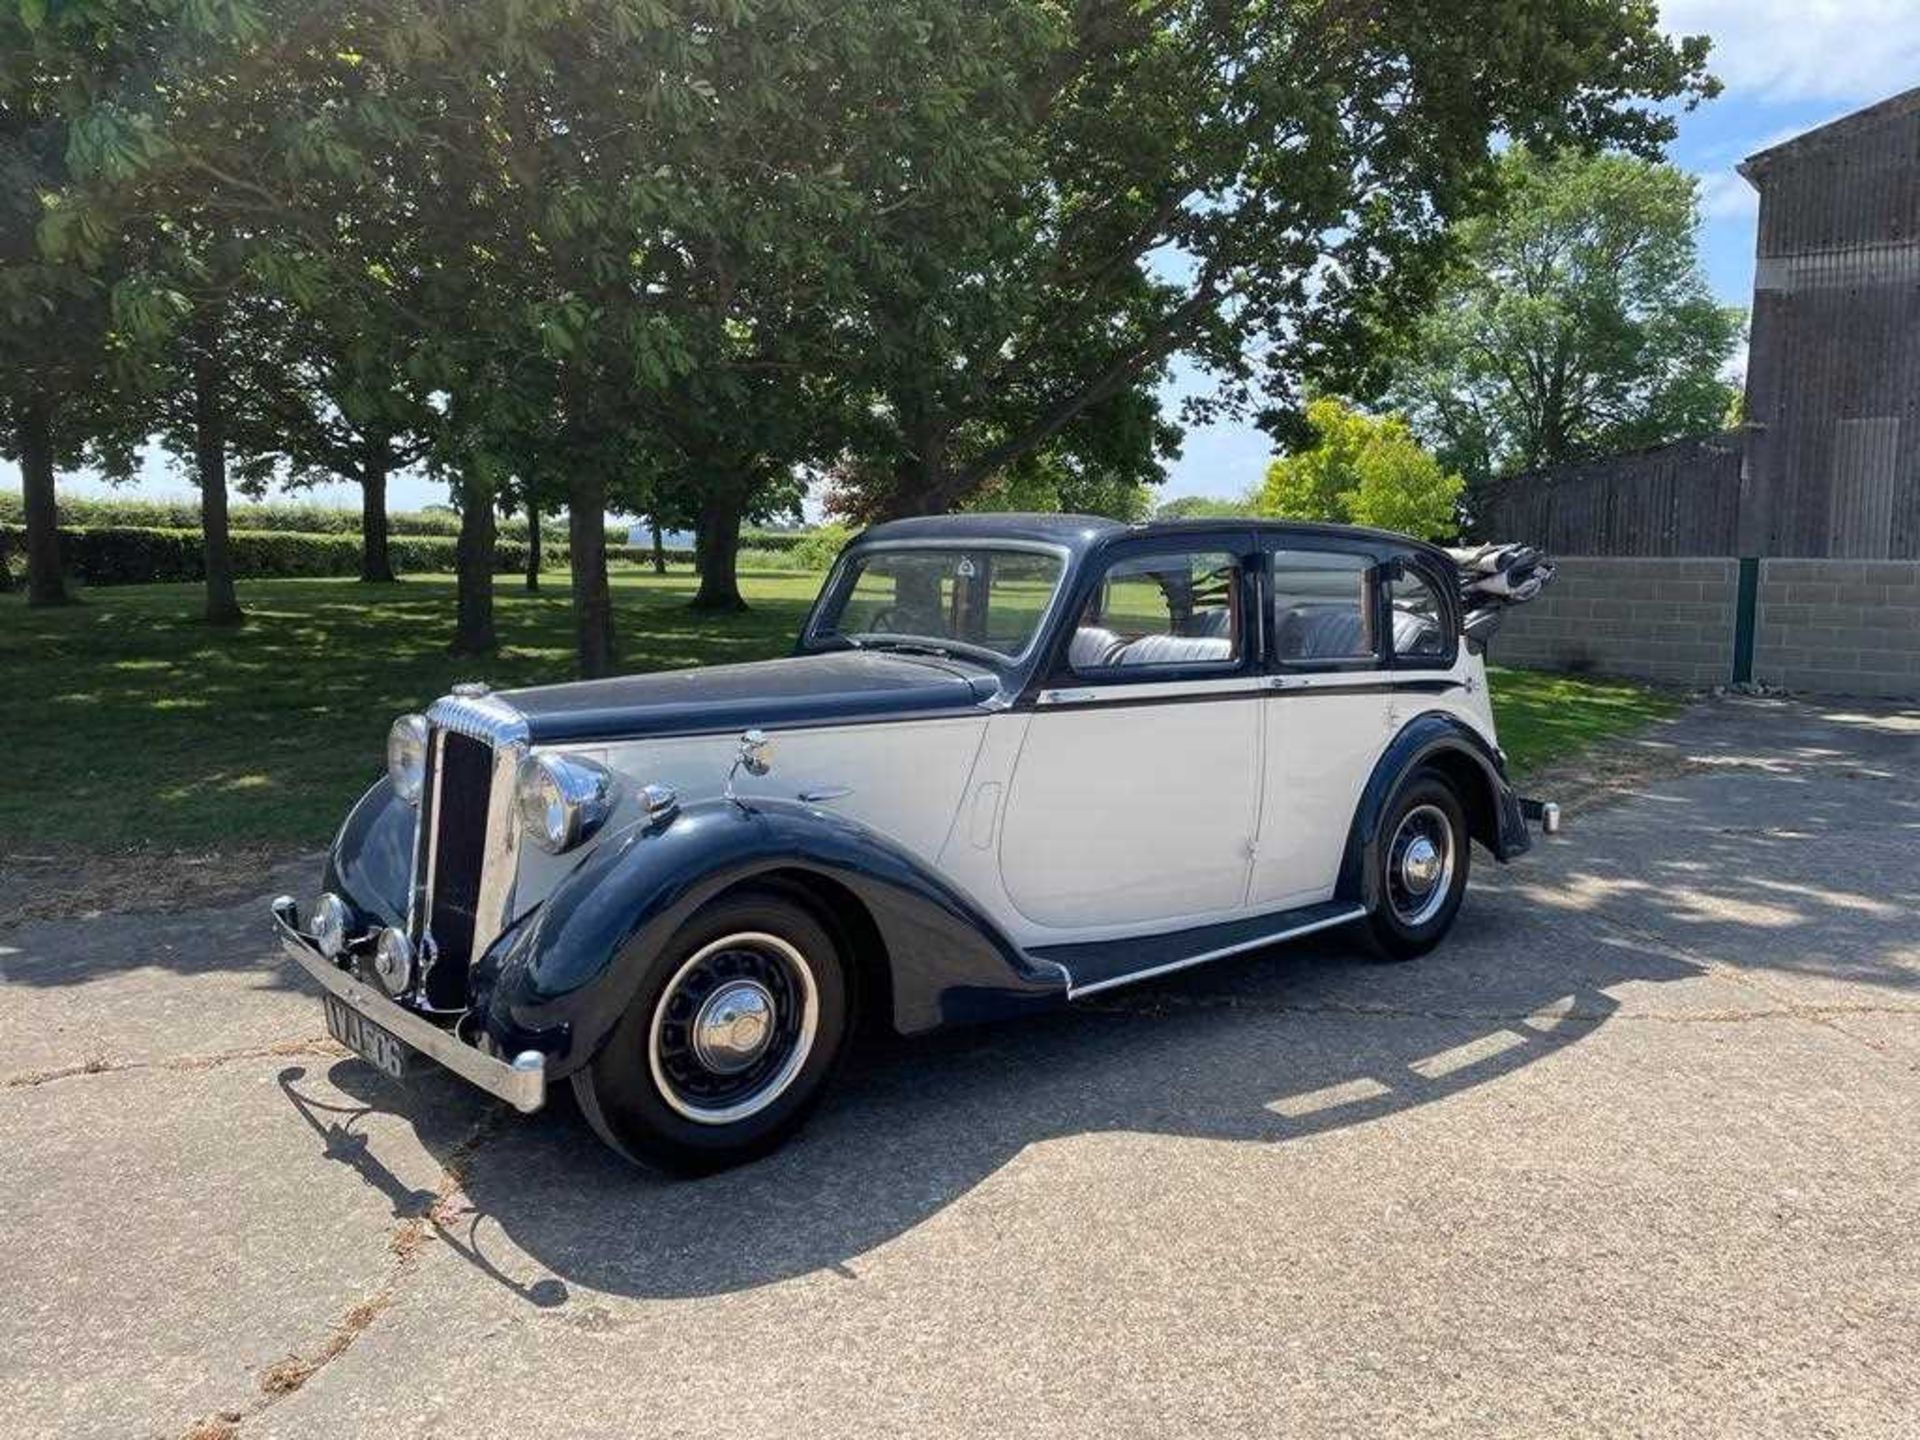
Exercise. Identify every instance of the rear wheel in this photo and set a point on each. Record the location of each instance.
(1421, 868)
(728, 1043)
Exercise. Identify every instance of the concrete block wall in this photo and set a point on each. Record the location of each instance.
(1842, 627)
(1669, 620)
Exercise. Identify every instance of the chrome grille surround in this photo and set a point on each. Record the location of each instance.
(480, 717)
(495, 723)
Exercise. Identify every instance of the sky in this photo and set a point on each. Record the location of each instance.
(1787, 65)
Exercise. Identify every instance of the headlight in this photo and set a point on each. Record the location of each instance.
(562, 799)
(407, 756)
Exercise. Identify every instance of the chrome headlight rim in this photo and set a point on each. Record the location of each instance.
(407, 741)
(560, 800)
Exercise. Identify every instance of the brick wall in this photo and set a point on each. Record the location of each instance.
(1845, 627)
(1655, 618)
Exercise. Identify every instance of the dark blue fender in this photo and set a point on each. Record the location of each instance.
(371, 861)
(561, 978)
(1448, 744)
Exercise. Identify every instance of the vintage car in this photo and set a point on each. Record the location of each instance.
(1014, 760)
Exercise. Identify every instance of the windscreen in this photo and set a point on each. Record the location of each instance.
(976, 596)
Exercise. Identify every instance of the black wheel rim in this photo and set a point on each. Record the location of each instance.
(1420, 865)
(733, 1028)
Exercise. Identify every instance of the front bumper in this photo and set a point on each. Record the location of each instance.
(521, 1082)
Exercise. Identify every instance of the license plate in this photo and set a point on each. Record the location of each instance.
(379, 1049)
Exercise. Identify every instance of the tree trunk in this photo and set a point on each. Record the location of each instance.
(587, 554)
(719, 547)
(659, 550)
(376, 561)
(210, 461)
(473, 552)
(533, 547)
(45, 584)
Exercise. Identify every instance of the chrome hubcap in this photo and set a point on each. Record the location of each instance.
(733, 1028)
(1420, 865)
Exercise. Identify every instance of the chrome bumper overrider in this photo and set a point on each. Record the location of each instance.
(521, 1082)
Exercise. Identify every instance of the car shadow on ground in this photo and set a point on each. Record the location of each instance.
(1264, 1049)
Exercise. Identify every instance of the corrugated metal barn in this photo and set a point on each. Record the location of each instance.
(1813, 510)
(1833, 382)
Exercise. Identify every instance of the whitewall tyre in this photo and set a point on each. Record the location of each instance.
(731, 1038)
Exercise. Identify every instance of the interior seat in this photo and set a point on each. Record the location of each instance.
(1092, 647)
(1335, 632)
(1174, 650)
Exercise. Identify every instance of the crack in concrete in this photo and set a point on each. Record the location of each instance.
(1826, 1016)
(106, 1065)
(405, 1243)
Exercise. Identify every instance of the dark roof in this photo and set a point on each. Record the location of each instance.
(1834, 132)
(1079, 533)
(1074, 531)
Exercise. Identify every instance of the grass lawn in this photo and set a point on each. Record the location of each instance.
(1544, 717)
(127, 723)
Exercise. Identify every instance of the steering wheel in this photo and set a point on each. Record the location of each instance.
(882, 621)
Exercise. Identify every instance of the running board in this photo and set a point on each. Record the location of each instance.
(1103, 964)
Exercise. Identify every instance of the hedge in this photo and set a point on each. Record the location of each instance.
(129, 555)
(112, 513)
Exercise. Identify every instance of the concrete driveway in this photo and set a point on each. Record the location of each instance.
(1638, 1151)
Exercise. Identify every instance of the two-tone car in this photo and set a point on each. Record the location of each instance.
(1014, 760)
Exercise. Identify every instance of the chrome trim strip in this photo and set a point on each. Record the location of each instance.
(1075, 992)
(521, 1082)
(499, 853)
(424, 950)
(1137, 691)
(480, 717)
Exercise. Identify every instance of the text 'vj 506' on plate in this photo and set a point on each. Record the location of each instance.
(1013, 760)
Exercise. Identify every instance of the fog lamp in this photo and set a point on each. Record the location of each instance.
(329, 925)
(393, 960)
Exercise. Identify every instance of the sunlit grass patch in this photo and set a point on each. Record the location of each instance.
(1544, 717)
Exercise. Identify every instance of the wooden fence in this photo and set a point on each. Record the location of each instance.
(1677, 499)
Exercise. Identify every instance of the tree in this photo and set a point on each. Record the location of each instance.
(1362, 470)
(1255, 188)
(1576, 320)
(58, 402)
(1203, 507)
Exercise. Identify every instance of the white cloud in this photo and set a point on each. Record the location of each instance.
(1724, 195)
(1852, 50)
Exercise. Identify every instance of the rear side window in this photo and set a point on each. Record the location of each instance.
(1419, 619)
(1181, 608)
(1323, 612)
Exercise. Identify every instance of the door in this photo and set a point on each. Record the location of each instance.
(1136, 793)
(1328, 715)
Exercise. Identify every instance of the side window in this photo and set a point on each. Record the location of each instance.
(1418, 619)
(1323, 610)
(1181, 608)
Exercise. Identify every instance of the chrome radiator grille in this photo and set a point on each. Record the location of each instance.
(464, 851)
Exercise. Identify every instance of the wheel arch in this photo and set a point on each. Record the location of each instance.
(1433, 740)
(926, 956)
(848, 920)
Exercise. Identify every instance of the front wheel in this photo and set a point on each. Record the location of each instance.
(1421, 868)
(728, 1043)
